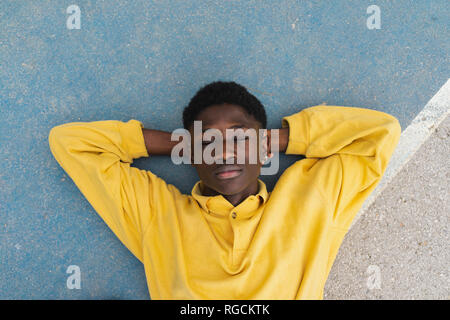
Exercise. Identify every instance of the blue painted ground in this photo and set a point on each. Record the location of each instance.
(144, 60)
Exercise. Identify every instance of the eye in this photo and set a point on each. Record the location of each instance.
(240, 137)
(205, 141)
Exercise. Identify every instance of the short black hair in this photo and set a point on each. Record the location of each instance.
(220, 92)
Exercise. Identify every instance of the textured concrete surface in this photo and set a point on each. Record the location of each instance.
(403, 237)
(144, 60)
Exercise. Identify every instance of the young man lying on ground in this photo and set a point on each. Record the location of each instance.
(231, 238)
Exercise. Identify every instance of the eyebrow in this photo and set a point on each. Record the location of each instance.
(237, 126)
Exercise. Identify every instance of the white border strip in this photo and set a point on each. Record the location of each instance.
(411, 139)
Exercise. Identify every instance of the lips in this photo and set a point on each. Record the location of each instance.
(228, 172)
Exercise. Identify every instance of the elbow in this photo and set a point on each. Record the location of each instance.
(390, 123)
(392, 126)
(55, 137)
(396, 125)
(52, 136)
(395, 128)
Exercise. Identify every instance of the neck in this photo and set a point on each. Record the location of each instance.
(234, 199)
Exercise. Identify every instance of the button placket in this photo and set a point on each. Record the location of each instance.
(234, 227)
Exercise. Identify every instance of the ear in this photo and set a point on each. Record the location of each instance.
(191, 150)
(266, 146)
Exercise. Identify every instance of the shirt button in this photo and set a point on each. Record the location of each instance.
(233, 215)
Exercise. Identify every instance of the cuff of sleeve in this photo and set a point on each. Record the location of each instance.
(298, 125)
(133, 138)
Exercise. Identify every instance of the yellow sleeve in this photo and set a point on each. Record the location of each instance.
(97, 156)
(356, 144)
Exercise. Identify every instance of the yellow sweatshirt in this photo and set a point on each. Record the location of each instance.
(277, 245)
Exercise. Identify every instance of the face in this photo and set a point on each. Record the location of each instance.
(222, 117)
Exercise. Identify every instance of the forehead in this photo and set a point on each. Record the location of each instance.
(226, 115)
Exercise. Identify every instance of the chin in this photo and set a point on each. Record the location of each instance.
(228, 187)
(229, 191)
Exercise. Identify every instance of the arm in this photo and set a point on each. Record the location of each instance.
(357, 144)
(97, 156)
(158, 142)
(283, 139)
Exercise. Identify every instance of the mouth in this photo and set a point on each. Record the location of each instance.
(228, 173)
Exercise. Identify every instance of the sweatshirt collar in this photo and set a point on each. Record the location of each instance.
(219, 206)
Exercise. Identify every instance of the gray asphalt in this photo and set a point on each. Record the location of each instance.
(399, 248)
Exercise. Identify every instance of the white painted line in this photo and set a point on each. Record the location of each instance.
(411, 139)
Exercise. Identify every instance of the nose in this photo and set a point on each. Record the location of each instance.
(223, 155)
